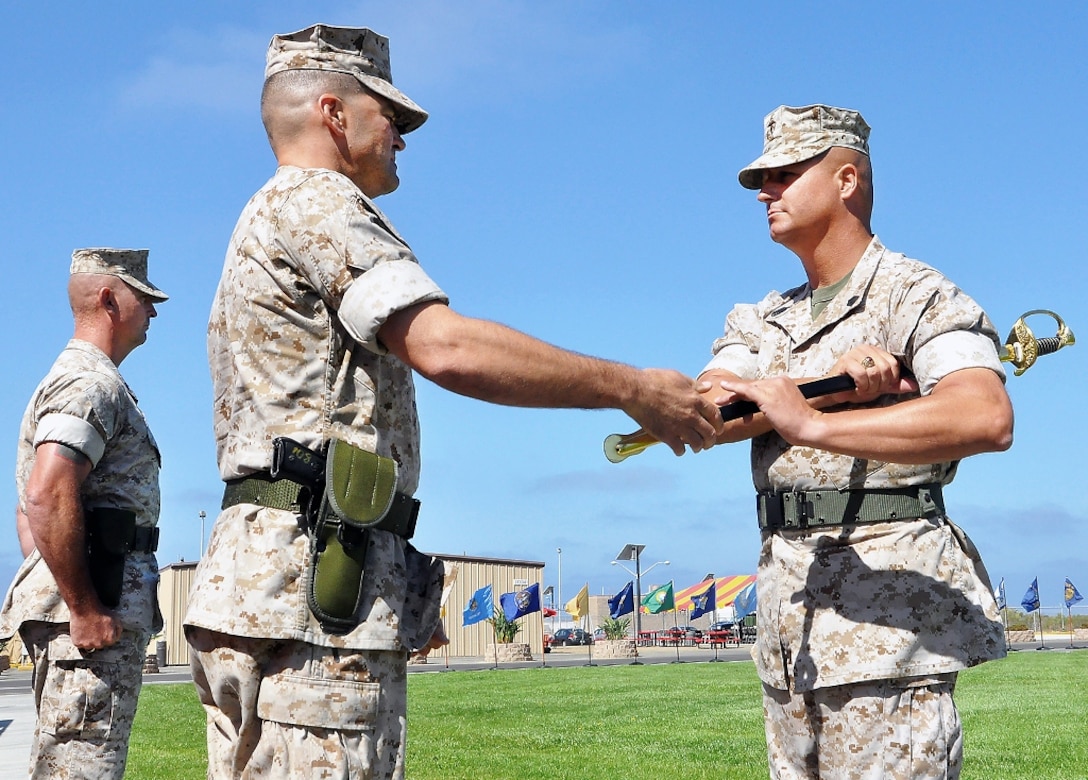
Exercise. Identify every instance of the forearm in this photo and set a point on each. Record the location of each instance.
(495, 363)
(757, 424)
(22, 529)
(967, 413)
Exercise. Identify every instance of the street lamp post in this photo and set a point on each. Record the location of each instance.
(202, 516)
(633, 552)
(559, 585)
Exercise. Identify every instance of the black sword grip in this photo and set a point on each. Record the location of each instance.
(825, 386)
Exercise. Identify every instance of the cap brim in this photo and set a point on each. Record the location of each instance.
(751, 178)
(409, 115)
(147, 289)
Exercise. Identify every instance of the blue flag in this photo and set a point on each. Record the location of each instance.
(480, 607)
(704, 602)
(522, 602)
(745, 602)
(623, 603)
(1072, 595)
(1000, 594)
(1030, 602)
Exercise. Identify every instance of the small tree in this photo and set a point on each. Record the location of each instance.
(616, 628)
(505, 630)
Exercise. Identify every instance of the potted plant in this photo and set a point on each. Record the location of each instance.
(616, 642)
(505, 648)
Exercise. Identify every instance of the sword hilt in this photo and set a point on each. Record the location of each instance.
(1022, 349)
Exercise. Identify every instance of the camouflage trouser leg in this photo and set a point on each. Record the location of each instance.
(881, 730)
(284, 709)
(85, 702)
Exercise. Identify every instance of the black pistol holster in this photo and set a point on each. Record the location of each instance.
(111, 535)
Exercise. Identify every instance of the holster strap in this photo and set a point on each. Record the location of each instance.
(106, 523)
(822, 508)
(287, 494)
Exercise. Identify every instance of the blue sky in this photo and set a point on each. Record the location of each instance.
(576, 180)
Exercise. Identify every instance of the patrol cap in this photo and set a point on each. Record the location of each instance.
(793, 135)
(357, 51)
(129, 265)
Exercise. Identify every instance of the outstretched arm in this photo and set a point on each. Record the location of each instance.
(492, 362)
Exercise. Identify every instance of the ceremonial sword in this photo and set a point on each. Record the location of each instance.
(1021, 349)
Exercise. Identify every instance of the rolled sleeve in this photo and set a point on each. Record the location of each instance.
(737, 350)
(953, 351)
(375, 295)
(72, 432)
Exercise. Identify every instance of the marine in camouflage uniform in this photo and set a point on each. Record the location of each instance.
(84, 416)
(869, 599)
(321, 315)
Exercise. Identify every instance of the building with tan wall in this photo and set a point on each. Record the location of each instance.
(472, 573)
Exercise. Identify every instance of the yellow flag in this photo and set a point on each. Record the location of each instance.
(579, 605)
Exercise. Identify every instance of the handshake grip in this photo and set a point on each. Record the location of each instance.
(618, 447)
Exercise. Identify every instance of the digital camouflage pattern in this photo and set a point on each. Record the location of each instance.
(885, 600)
(86, 703)
(88, 407)
(312, 272)
(356, 51)
(793, 135)
(319, 714)
(886, 730)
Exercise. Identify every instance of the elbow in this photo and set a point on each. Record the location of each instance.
(1000, 432)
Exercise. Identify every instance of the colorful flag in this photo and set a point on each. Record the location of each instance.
(660, 599)
(623, 602)
(522, 602)
(1030, 602)
(999, 594)
(1072, 595)
(480, 607)
(579, 605)
(745, 602)
(703, 602)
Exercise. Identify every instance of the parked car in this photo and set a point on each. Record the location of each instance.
(565, 637)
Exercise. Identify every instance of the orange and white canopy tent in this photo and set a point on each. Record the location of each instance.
(725, 591)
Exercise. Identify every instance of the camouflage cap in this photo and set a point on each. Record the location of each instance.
(356, 51)
(793, 135)
(129, 265)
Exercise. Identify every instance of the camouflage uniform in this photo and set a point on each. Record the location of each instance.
(890, 610)
(86, 701)
(284, 364)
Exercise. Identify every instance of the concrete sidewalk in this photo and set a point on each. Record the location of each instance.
(17, 717)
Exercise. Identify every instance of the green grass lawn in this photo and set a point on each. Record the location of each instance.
(1023, 718)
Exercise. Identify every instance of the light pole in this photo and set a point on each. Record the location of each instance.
(559, 585)
(633, 552)
(202, 516)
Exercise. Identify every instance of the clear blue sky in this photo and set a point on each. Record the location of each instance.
(577, 180)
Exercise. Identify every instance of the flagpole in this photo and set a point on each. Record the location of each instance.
(543, 655)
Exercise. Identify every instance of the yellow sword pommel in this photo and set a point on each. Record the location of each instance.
(1022, 349)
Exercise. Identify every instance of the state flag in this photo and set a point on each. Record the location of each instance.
(703, 602)
(579, 605)
(1030, 602)
(522, 602)
(1072, 595)
(480, 607)
(623, 602)
(660, 599)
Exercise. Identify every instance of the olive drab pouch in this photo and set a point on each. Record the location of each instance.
(109, 539)
(359, 490)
